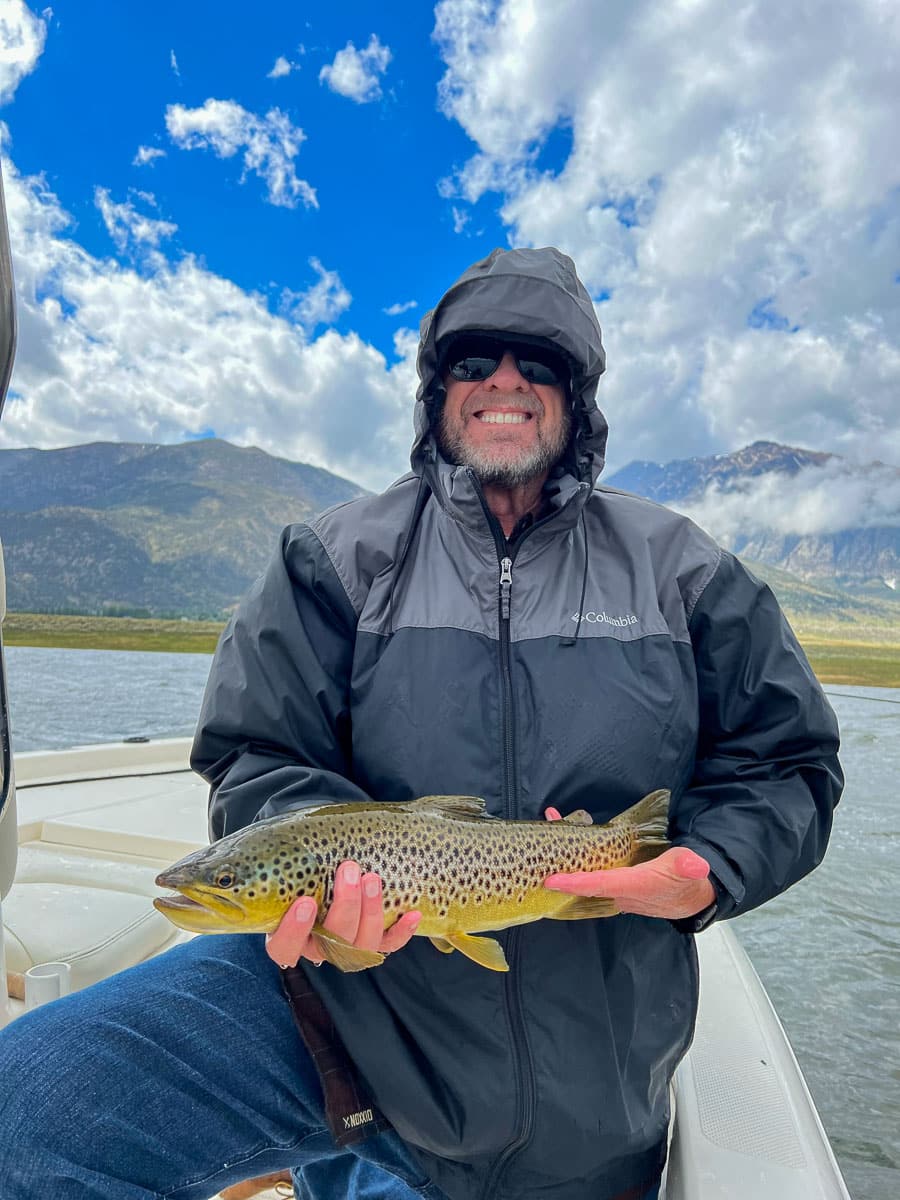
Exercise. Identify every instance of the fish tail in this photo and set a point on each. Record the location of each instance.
(648, 821)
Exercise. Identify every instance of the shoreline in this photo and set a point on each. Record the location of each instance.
(865, 656)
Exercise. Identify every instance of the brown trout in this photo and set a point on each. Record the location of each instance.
(465, 871)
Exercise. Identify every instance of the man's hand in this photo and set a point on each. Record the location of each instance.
(356, 914)
(673, 886)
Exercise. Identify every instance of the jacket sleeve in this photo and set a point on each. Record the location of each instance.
(767, 777)
(274, 727)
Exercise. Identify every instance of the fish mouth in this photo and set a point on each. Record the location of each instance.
(200, 911)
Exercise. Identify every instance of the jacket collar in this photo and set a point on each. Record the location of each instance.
(458, 493)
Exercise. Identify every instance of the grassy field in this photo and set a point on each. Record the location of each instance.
(843, 660)
(110, 633)
(868, 655)
(864, 652)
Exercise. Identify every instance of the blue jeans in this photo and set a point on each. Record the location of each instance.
(173, 1080)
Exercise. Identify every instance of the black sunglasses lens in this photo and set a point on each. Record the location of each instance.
(537, 372)
(473, 368)
(473, 362)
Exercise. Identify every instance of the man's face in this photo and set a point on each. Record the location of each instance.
(507, 429)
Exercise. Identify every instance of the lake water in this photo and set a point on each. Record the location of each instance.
(828, 950)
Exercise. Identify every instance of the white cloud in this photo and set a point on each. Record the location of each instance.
(321, 304)
(727, 191)
(146, 154)
(815, 501)
(354, 73)
(269, 144)
(108, 353)
(282, 67)
(173, 63)
(394, 310)
(22, 37)
(128, 228)
(461, 218)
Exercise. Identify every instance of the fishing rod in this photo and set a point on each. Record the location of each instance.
(874, 699)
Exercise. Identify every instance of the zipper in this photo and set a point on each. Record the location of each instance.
(522, 1062)
(510, 782)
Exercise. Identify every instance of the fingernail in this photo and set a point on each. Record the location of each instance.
(372, 886)
(351, 874)
(306, 909)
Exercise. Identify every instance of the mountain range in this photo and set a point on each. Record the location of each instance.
(133, 529)
(182, 530)
(812, 514)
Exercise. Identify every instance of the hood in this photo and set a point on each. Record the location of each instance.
(533, 294)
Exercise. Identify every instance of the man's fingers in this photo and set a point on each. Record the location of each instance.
(289, 941)
(583, 883)
(400, 932)
(356, 914)
(615, 882)
(675, 864)
(371, 919)
(346, 908)
(673, 885)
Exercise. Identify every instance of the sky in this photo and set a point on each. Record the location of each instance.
(230, 221)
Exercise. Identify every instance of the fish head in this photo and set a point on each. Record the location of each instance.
(242, 884)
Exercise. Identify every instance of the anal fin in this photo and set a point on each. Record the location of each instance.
(441, 944)
(487, 952)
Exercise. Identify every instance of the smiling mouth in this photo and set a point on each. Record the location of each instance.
(492, 417)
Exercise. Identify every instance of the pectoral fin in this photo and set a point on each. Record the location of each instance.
(341, 953)
(487, 952)
(582, 908)
(441, 944)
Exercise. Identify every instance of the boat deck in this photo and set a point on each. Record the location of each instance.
(95, 825)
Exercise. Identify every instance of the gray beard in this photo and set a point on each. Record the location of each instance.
(492, 468)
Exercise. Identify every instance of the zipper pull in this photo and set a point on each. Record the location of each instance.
(505, 586)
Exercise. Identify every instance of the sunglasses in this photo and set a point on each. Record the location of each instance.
(472, 360)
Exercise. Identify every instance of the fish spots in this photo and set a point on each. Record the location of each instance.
(472, 875)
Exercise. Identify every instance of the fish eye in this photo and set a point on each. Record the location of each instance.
(225, 879)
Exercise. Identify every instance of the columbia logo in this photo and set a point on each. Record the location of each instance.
(602, 618)
(358, 1118)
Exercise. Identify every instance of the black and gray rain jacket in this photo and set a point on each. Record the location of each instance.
(382, 656)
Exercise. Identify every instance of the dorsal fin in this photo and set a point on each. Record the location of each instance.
(579, 817)
(459, 808)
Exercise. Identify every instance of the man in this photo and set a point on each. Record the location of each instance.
(493, 624)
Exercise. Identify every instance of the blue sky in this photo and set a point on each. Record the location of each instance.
(109, 72)
(211, 208)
